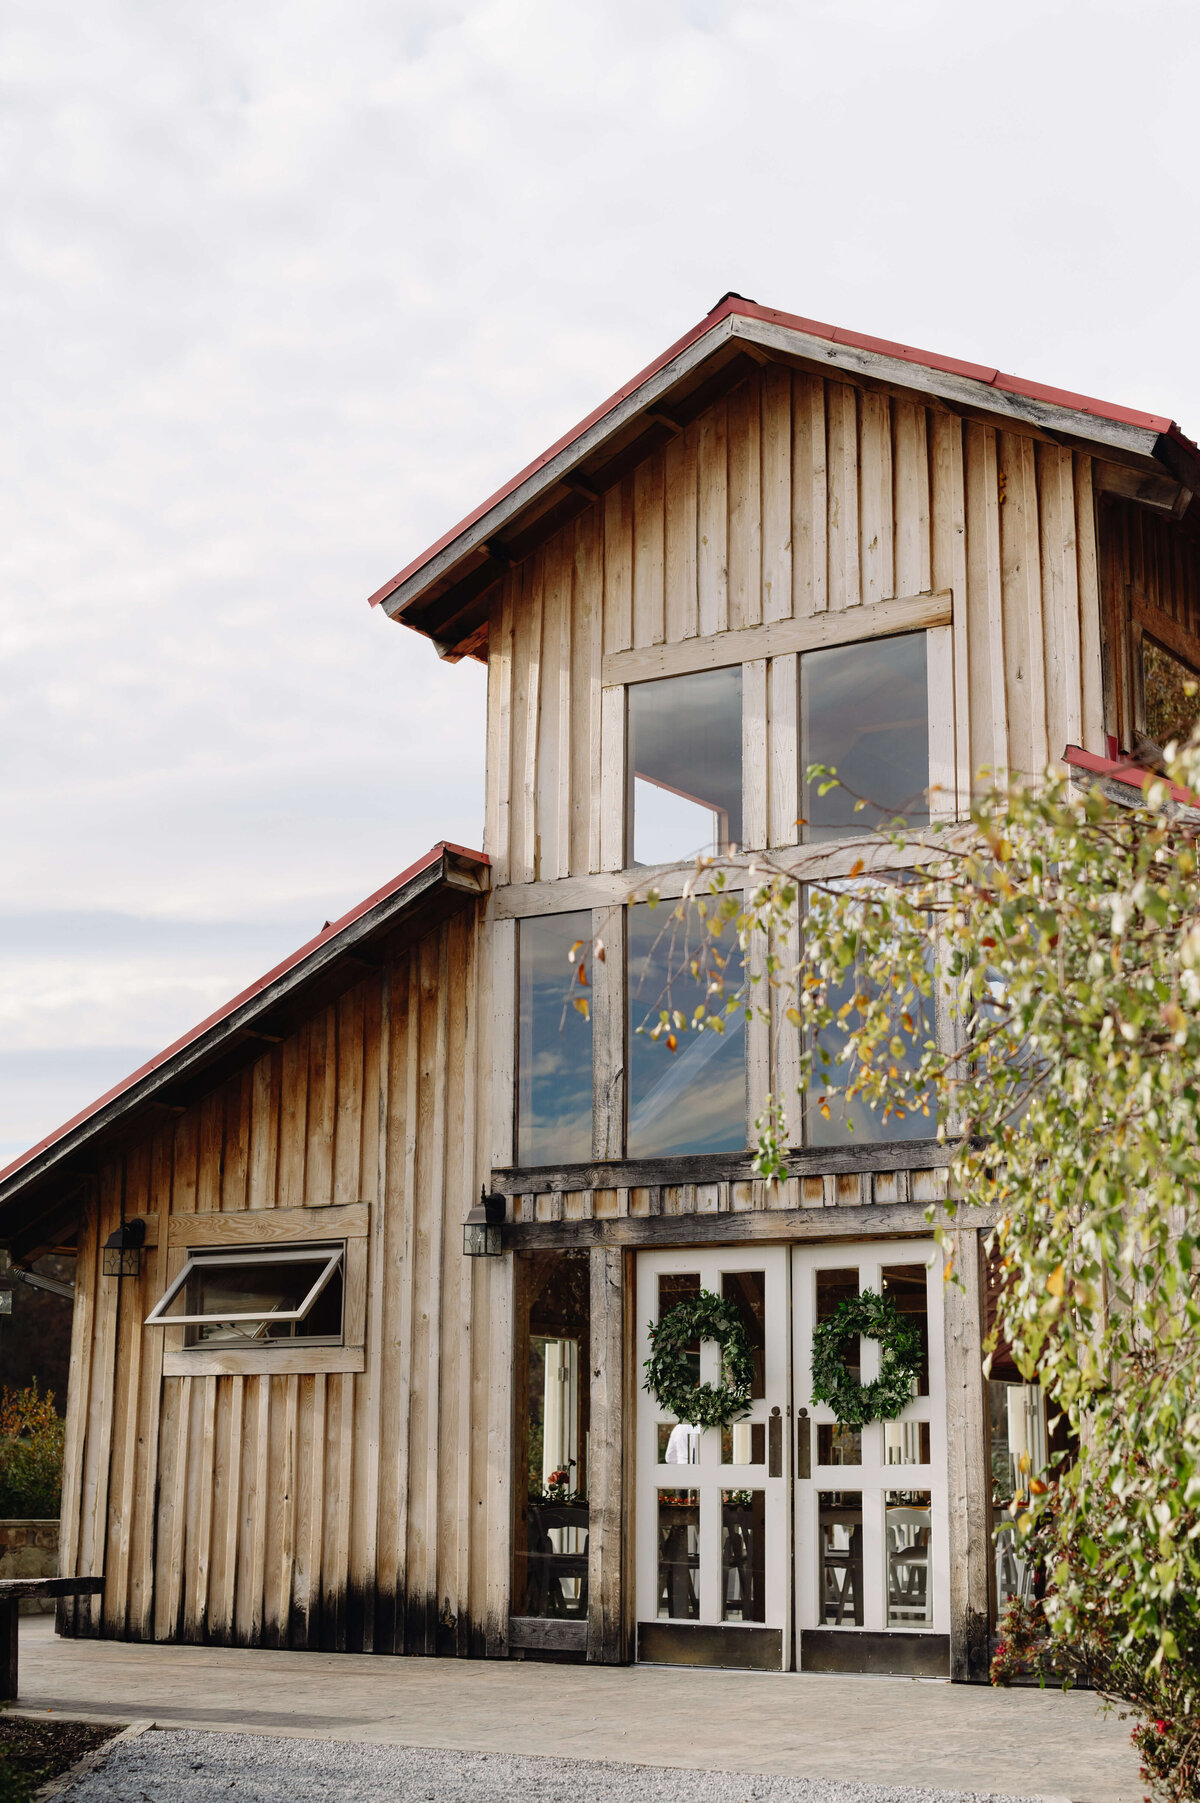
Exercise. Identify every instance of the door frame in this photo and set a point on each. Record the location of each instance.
(709, 1640)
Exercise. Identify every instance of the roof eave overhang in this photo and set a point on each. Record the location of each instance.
(475, 550)
(54, 1174)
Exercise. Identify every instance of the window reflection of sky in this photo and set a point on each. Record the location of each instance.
(865, 712)
(856, 1119)
(693, 1099)
(685, 765)
(554, 1111)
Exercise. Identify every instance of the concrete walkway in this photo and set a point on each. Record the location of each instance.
(883, 1731)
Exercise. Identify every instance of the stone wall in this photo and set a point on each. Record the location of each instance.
(29, 1549)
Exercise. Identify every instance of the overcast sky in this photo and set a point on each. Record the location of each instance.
(288, 288)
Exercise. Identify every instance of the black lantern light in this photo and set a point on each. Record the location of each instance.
(481, 1229)
(122, 1255)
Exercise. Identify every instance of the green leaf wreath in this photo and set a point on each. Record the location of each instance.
(669, 1368)
(874, 1317)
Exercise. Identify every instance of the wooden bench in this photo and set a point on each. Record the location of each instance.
(11, 1592)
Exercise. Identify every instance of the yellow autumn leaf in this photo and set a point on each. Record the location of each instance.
(793, 1015)
(672, 1042)
(581, 1006)
(574, 949)
(858, 866)
(1056, 1281)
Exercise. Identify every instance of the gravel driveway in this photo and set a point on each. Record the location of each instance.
(178, 1766)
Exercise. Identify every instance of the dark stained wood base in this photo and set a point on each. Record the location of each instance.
(731, 1646)
(895, 1655)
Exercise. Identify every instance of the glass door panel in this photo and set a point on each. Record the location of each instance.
(870, 1501)
(712, 1534)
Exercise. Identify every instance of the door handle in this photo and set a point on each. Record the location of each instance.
(775, 1444)
(803, 1445)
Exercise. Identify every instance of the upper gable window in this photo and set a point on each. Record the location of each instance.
(554, 1040)
(684, 792)
(864, 711)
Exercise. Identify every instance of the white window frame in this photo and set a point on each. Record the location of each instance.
(334, 1256)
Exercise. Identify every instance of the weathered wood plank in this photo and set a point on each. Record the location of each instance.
(836, 1220)
(783, 702)
(776, 493)
(608, 1034)
(966, 1449)
(712, 522)
(754, 754)
(745, 505)
(254, 1227)
(606, 1443)
(722, 1167)
(681, 574)
(612, 779)
(900, 613)
(876, 525)
(618, 566)
(649, 524)
(842, 479)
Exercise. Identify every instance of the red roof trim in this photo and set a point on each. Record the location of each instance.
(247, 995)
(734, 305)
(1122, 770)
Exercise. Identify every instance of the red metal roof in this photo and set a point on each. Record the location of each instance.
(291, 963)
(734, 304)
(1124, 770)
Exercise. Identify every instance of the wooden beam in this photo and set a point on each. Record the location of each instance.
(721, 1167)
(902, 613)
(967, 1462)
(893, 1220)
(605, 1640)
(1178, 640)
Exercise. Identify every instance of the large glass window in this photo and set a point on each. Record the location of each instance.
(553, 1420)
(831, 1117)
(685, 766)
(864, 711)
(554, 1040)
(692, 1098)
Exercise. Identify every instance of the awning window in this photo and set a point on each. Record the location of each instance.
(249, 1294)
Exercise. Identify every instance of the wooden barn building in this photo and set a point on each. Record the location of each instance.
(305, 1415)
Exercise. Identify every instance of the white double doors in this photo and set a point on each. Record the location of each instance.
(787, 1519)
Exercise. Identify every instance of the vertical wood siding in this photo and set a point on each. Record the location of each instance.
(795, 495)
(351, 1511)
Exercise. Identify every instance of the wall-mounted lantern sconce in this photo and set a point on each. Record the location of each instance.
(122, 1255)
(481, 1229)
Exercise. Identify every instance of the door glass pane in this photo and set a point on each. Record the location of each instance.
(906, 1442)
(864, 711)
(747, 1290)
(685, 766)
(745, 1443)
(554, 1041)
(679, 1554)
(743, 1555)
(907, 1285)
(838, 1445)
(554, 1413)
(694, 1098)
(909, 1590)
(839, 1524)
(834, 1287)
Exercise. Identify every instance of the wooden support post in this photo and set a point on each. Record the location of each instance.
(10, 1610)
(966, 1456)
(605, 1642)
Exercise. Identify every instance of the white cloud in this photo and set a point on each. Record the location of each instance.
(287, 289)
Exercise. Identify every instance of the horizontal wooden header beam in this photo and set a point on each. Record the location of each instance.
(724, 1167)
(270, 1226)
(812, 632)
(909, 1220)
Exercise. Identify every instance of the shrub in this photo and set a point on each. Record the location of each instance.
(31, 1453)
